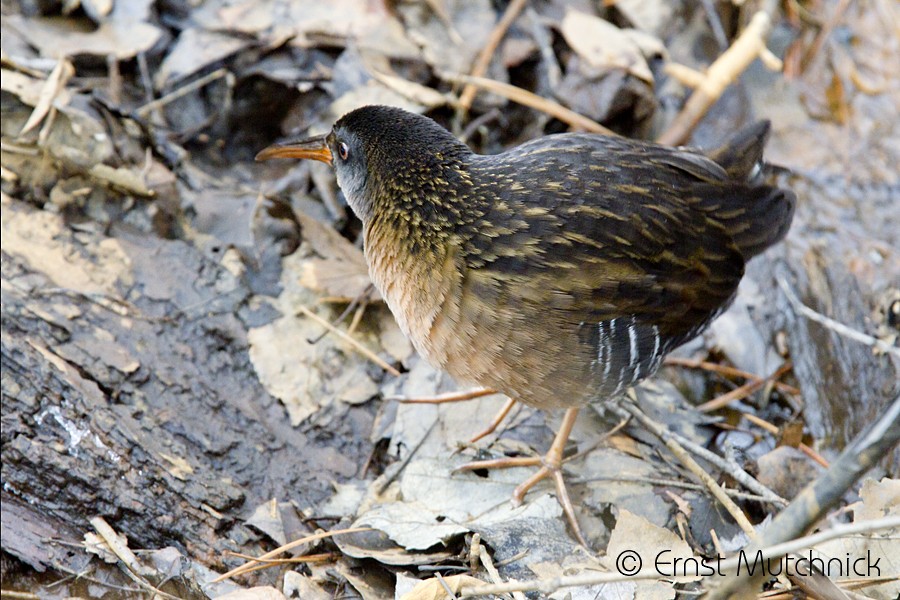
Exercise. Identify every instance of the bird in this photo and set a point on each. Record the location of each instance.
(561, 271)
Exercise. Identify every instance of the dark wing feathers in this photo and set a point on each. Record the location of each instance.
(668, 231)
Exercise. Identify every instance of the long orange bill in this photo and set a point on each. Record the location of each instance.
(315, 148)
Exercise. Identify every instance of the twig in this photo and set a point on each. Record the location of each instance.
(691, 363)
(355, 344)
(492, 571)
(601, 440)
(542, 39)
(731, 467)
(478, 122)
(879, 437)
(531, 100)
(444, 585)
(721, 74)
(122, 552)
(115, 79)
(835, 326)
(774, 431)
(673, 483)
(715, 23)
(361, 299)
(149, 107)
(665, 435)
(399, 469)
(743, 391)
(823, 34)
(548, 586)
(130, 564)
(459, 396)
(306, 558)
(484, 58)
(254, 563)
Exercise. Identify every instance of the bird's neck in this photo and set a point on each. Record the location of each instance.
(413, 234)
(414, 273)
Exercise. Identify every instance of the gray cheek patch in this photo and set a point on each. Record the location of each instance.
(352, 181)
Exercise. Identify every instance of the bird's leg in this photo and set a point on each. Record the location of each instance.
(551, 466)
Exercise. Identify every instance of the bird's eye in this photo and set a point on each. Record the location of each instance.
(343, 151)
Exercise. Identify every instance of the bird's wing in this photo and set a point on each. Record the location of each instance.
(603, 229)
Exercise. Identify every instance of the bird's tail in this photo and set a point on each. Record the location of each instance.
(765, 212)
(741, 156)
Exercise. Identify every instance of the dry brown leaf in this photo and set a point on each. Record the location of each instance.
(635, 536)
(879, 499)
(341, 271)
(50, 92)
(421, 94)
(94, 544)
(626, 444)
(335, 277)
(194, 50)
(266, 592)
(603, 45)
(433, 589)
(27, 89)
(61, 37)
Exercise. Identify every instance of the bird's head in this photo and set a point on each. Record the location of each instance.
(380, 154)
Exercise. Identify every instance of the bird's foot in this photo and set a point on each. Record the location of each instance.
(550, 466)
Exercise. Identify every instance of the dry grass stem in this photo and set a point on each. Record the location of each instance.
(531, 100)
(835, 326)
(129, 562)
(153, 105)
(512, 12)
(690, 363)
(721, 74)
(353, 343)
(258, 562)
(774, 431)
(743, 391)
(548, 586)
(691, 465)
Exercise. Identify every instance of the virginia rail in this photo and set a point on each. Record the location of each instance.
(559, 272)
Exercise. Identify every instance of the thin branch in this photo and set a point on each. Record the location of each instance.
(835, 326)
(531, 100)
(129, 562)
(690, 464)
(548, 586)
(255, 562)
(355, 344)
(730, 467)
(863, 453)
(672, 483)
(743, 391)
(149, 107)
(484, 58)
(721, 74)
(774, 431)
(691, 363)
